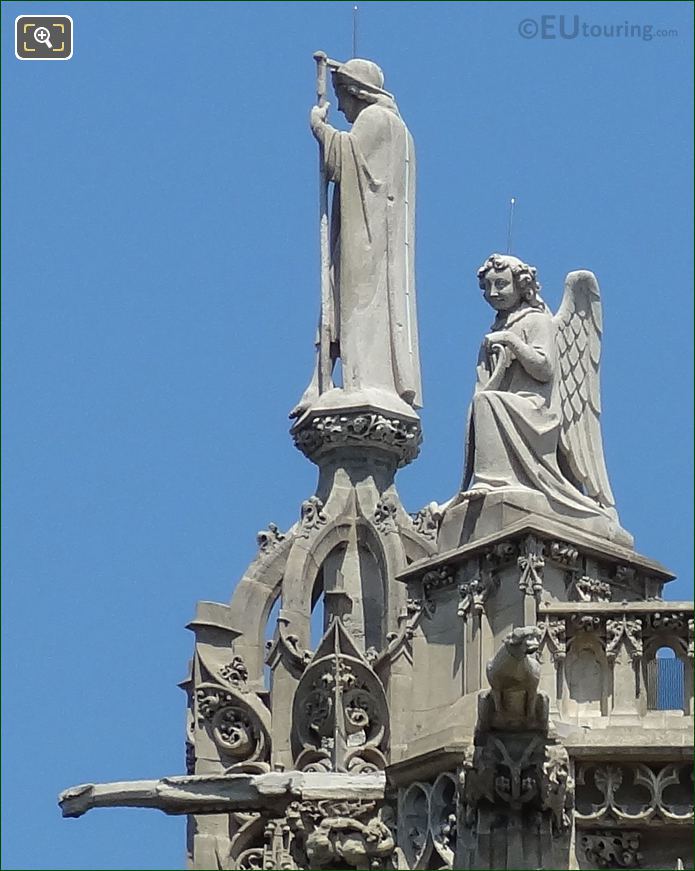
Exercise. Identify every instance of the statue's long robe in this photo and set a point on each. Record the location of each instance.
(373, 315)
(514, 430)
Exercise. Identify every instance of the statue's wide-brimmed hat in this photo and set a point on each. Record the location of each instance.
(364, 73)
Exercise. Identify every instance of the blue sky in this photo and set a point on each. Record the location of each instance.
(160, 297)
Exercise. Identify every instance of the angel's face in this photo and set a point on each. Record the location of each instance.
(500, 291)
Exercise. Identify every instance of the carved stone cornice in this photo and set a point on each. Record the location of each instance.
(438, 578)
(563, 553)
(587, 622)
(321, 432)
(644, 609)
(668, 621)
(586, 589)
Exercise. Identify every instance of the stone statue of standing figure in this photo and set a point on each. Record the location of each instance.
(368, 315)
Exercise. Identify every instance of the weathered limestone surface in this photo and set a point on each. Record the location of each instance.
(488, 690)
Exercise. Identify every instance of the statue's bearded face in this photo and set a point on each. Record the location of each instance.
(500, 290)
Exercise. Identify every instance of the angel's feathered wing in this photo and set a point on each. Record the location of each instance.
(579, 326)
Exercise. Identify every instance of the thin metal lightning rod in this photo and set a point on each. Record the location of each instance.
(354, 30)
(511, 225)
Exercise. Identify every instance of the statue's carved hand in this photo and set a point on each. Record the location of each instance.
(502, 348)
(502, 337)
(318, 115)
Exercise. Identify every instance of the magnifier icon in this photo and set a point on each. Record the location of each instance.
(43, 35)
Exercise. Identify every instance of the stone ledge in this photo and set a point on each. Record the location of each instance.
(632, 742)
(543, 528)
(652, 606)
(426, 765)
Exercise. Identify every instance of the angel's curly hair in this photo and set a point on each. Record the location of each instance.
(524, 277)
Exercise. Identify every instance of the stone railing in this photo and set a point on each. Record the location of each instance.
(599, 657)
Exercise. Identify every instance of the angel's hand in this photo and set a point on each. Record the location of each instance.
(505, 338)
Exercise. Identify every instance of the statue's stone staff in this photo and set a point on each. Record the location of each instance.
(325, 364)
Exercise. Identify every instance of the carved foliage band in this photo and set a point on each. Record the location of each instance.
(320, 432)
(612, 849)
(586, 589)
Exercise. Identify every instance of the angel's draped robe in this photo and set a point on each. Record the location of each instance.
(372, 314)
(514, 430)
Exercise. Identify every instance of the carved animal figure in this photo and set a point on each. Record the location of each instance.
(514, 673)
(350, 841)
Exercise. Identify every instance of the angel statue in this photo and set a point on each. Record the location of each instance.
(534, 419)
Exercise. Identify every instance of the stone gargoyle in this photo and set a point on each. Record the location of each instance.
(513, 701)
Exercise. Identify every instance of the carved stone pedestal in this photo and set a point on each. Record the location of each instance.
(492, 514)
(320, 433)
